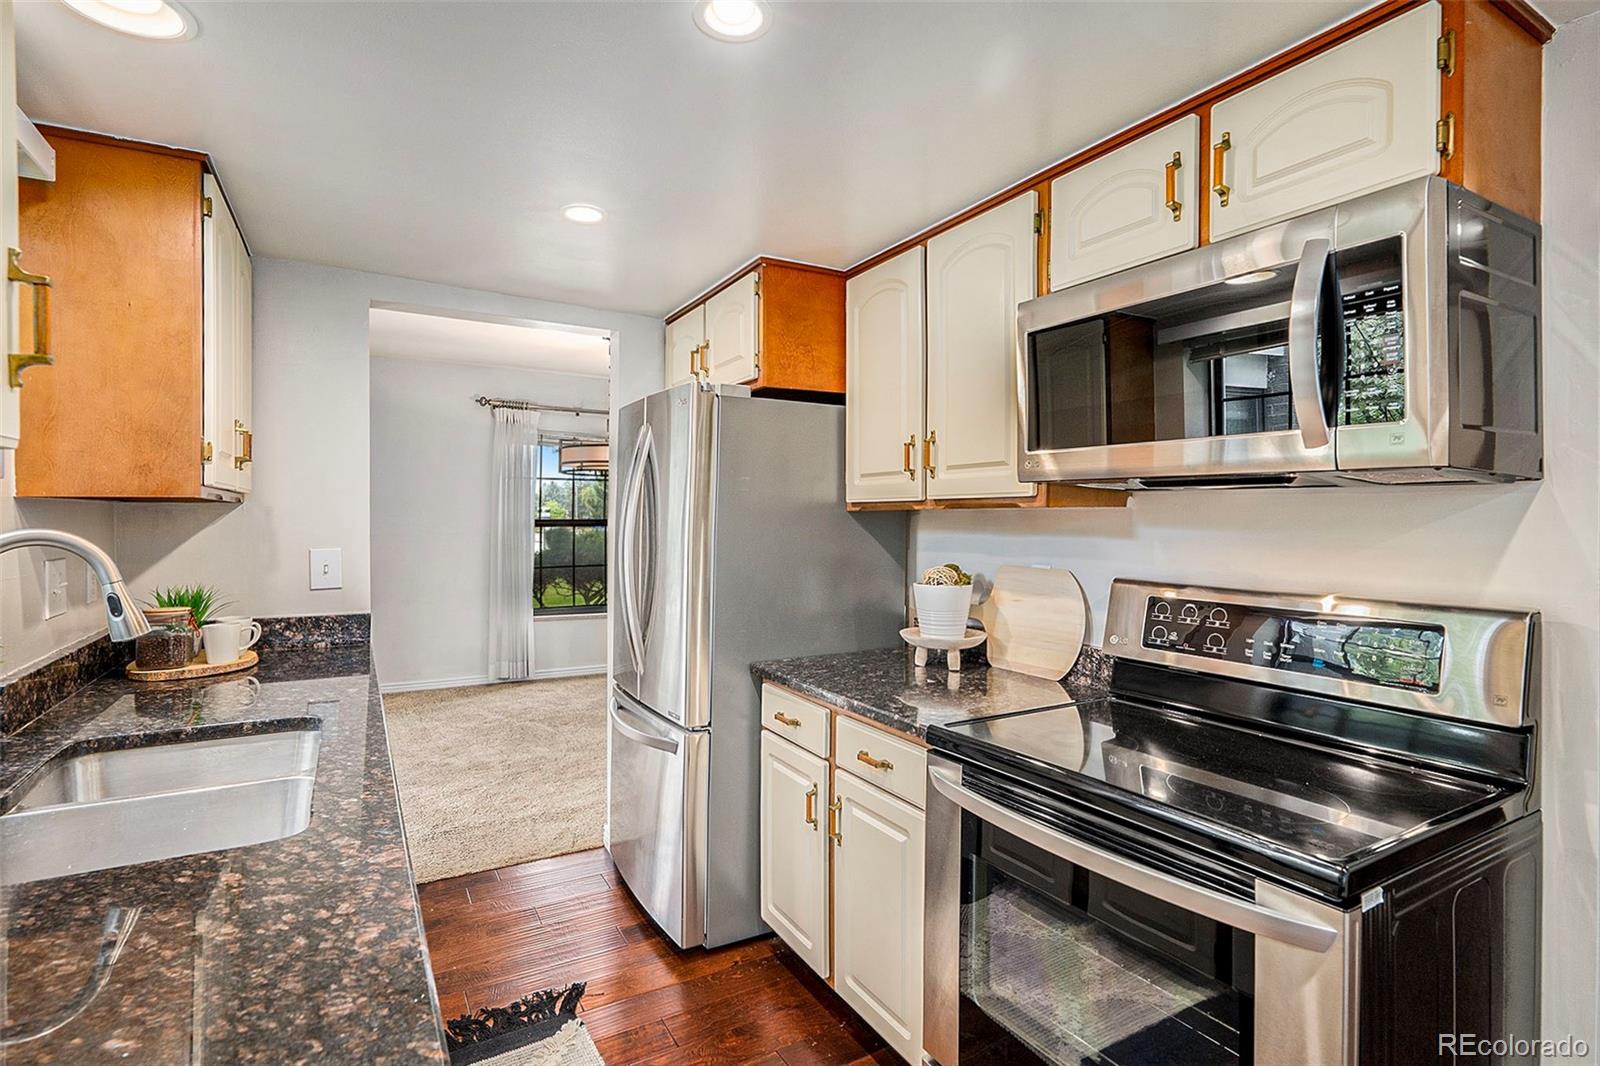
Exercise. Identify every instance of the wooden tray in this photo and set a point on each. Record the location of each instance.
(198, 667)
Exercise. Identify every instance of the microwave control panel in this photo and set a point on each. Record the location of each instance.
(1401, 655)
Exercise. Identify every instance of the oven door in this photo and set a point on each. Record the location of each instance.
(1058, 936)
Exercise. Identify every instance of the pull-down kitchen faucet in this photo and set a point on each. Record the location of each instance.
(123, 619)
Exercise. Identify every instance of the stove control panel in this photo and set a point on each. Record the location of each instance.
(1402, 655)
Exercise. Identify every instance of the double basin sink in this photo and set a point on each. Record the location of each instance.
(102, 809)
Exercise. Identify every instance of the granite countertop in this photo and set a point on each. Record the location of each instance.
(886, 686)
(305, 949)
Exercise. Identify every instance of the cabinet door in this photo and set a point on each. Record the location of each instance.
(877, 924)
(732, 331)
(221, 250)
(978, 273)
(794, 849)
(1357, 118)
(883, 310)
(684, 337)
(244, 362)
(11, 301)
(1114, 213)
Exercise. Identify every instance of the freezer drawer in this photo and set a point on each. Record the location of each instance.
(658, 839)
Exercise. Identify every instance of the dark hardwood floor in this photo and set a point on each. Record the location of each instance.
(499, 935)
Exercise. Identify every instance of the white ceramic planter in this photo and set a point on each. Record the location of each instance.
(942, 610)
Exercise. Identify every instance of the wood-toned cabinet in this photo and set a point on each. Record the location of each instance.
(775, 326)
(148, 397)
(884, 408)
(1359, 117)
(842, 852)
(978, 273)
(795, 798)
(1130, 206)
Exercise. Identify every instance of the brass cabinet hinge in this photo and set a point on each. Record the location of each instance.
(1444, 135)
(1038, 222)
(205, 451)
(1446, 55)
(205, 206)
(758, 283)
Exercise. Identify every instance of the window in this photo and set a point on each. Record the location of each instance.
(569, 536)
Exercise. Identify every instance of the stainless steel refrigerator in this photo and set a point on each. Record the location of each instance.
(730, 544)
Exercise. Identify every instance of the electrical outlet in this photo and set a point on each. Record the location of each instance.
(327, 568)
(55, 587)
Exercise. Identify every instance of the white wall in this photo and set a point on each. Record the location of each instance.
(1531, 546)
(432, 498)
(312, 433)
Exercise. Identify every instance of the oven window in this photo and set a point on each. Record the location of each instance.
(1062, 966)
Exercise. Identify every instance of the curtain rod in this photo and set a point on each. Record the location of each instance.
(528, 405)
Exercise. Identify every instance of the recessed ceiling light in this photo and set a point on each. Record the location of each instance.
(157, 20)
(732, 20)
(1255, 277)
(586, 214)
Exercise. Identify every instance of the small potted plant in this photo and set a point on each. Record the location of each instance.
(944, 601)
(175, 617)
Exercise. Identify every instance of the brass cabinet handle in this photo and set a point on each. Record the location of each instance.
(17, 362)
(1219, 152)
(1173, 203)
(927, 452)
(811, 808)
(876, 764)
(908, 447)
(247, 445)
(705, 359)
(783, 719)
(833, 821)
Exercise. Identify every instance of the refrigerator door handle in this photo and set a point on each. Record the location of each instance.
(639, 735)
(627, 546)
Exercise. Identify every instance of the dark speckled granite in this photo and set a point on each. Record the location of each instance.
(315, 631)
(886, 686)
(302, 950)
(26, 697)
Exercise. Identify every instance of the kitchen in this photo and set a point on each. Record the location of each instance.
(830, 434)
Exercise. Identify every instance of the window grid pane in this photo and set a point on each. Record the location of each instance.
(569, 571)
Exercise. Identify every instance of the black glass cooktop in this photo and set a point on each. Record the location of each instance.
(1293, 797)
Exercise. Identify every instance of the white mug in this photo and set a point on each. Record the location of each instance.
(226, 641)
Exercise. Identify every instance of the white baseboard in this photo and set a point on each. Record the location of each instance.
(465, 682)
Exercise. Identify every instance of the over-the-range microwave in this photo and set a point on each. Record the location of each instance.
(1392, 339)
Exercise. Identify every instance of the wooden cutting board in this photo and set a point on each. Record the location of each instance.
(1036, 619)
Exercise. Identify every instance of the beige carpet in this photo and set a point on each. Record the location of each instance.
(495, 775)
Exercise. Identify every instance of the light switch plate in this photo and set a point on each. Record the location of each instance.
(55, 587)
(327, 568)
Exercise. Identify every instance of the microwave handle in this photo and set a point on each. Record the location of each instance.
(1314, 312)
(1241, 914)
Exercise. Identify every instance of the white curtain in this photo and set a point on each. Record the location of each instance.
(511, 543)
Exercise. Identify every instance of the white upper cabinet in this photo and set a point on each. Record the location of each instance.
(226, 281)
(884, 381)
(12, 302)
(1127, 207)
(685, 335)
(1357, 118)
(878, 911)
(732, 333)
(794, 848)
(978, 272)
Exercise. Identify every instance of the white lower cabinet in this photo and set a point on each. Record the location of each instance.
(852, 910)
(877, 898)
(794, 848)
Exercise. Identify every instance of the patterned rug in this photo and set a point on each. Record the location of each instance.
(541, 1030)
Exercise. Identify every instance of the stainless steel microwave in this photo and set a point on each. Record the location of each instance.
(1391, 339)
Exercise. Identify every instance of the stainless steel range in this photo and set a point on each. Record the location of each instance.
(1297, 830)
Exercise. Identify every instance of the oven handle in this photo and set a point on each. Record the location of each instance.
(1306, 310)
(1241, 914)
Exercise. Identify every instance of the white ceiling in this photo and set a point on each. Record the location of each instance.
(437, 140)
(401, 334)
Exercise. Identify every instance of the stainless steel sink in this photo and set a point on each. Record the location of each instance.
(118, 808)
